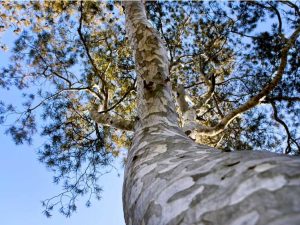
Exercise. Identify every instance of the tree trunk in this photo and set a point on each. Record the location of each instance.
(171, 180)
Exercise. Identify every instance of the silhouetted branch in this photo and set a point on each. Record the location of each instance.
(289, 136)
(255, 100)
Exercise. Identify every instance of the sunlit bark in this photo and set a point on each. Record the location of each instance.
(171, 180)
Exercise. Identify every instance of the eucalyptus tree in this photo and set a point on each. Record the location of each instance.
(187, 78)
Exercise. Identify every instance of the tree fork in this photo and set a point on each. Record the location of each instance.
(170, 180)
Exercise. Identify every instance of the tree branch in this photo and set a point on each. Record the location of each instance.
(87, 50)
(283, 98)
(193, 85)
(112, 121)
(278, 17)
(289, 136)
(120, 100)
(244, 35)
(180, 97)
(274, 9)
(292, 5)
(252, 102)
(207, 96)
(217, 106)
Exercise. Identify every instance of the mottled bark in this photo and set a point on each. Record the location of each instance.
(170, 180)
(155, 103)
(112, 121)
(181, 101)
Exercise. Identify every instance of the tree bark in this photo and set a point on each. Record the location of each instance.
(170, 180)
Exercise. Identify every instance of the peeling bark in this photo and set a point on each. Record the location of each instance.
(171, 180)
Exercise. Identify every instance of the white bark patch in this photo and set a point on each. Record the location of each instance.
(145, 170)
(158, 149)
(263, 167)
(170, 165)
(137, 187)
(247, 219)
(172, 209)
(253, 184)
(152, 57)
(176, 207)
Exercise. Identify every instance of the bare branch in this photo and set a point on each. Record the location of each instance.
(289, 136)
(283, 98)
(219, 141)
(243, 35)
(44, 100)
(292, 5)
(193, 85)
(278, 17)
(273, 9)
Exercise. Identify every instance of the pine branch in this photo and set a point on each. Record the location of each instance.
(252, 102)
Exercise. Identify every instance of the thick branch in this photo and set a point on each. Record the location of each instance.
(180, 96)
(252, 102)
(207, 96)
(112, 121)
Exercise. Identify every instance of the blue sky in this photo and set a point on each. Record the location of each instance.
(25, 182)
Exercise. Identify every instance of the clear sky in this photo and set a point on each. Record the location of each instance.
(25, 182)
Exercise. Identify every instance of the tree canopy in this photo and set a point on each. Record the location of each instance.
(234, 69)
